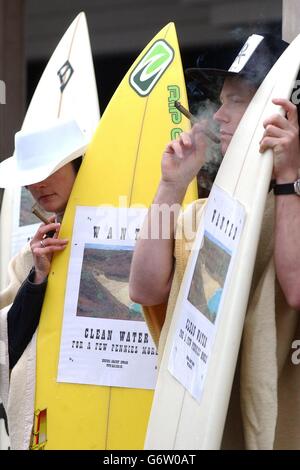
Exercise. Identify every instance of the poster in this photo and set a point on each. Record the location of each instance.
(205, 288)
(25, 223)
(105, 340)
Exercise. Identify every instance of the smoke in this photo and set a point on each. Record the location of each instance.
(239, 34)
(206, 176)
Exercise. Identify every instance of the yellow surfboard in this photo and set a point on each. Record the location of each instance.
(123, 160)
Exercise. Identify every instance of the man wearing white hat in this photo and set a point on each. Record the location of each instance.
(263, 400)
(46, 161)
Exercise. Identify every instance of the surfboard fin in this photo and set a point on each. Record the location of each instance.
(39, 433)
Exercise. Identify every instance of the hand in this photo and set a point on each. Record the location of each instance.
(282, 136)
(43, 248)
(183, 158)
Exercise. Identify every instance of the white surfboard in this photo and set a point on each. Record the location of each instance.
(189, 411)
(67, 88)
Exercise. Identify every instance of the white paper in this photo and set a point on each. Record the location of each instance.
(25, 224)
(246, 53)
(207, 280)
(105, 340)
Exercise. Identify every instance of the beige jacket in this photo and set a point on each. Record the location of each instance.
(17, 390)
(264, 410)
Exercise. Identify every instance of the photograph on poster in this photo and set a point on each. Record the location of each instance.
(26, 216)
(209, 277)
(103, 290)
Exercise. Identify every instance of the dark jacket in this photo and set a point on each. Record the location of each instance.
(23, 317)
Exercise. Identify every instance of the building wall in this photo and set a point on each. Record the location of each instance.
(120, 26)
(120, 29)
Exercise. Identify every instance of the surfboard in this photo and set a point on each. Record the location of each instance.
(66, 88)
(84, 396)
(199, 360)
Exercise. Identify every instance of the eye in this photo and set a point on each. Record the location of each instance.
(237, 99)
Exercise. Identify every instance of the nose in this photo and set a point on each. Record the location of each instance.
(38, 185)
(221, 115)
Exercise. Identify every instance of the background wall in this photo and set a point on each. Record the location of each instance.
(120, 29)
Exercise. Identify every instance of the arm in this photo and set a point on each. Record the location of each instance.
(153, 263)
(282, 135)
(23, 317)
(24, 314)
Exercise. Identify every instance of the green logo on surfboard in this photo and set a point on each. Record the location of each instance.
(151, 67)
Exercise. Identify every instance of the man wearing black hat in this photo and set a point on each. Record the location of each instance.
(262, 398)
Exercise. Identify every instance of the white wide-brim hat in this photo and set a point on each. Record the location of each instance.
(38, 154)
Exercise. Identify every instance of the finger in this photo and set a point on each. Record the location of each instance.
(53, 233)
(55, 236)
(267, 143)
(289, 108)
(271, 143)
(185, 139)
(287, 105)
(276, 120)
(170, 147)
(178, 149)
(44, 229)
(48, 250)
(274, 131)
(45, 242)
(42, 244)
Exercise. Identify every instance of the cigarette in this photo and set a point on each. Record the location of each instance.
(39, 215)
(208, 132)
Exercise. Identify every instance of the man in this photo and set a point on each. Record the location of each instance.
(261, 422)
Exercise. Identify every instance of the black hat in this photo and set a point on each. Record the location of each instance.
(253, 62)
